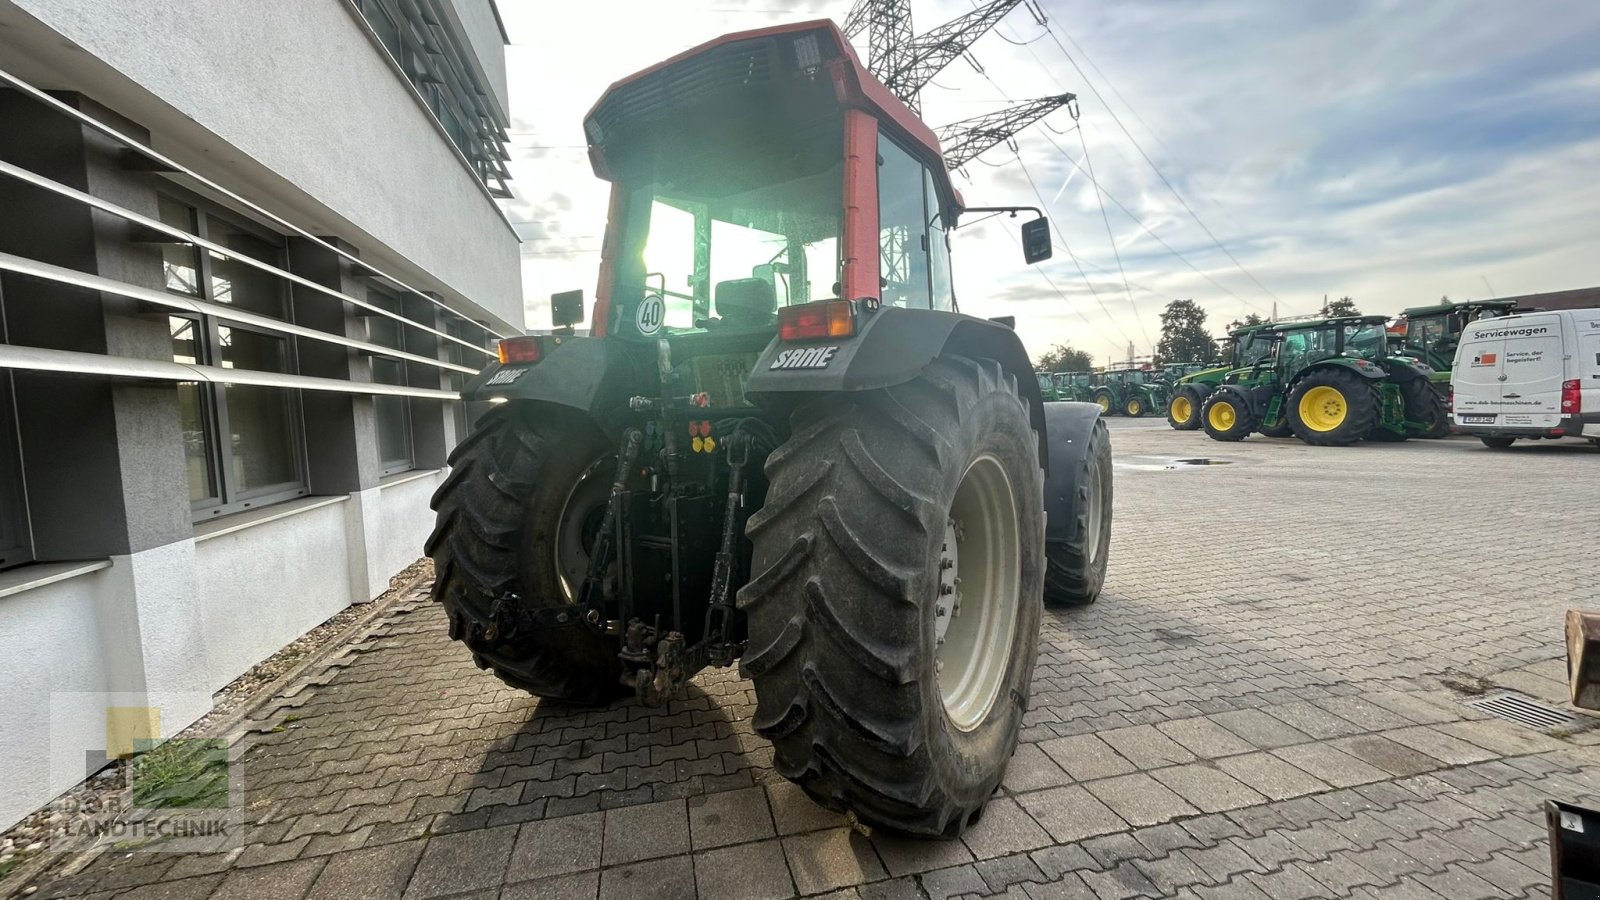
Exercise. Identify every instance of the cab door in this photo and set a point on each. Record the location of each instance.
(1533, 367)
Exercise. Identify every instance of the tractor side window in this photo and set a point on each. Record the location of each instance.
(902, 228)
(669, 261)
(944, 296)
(1294, 349)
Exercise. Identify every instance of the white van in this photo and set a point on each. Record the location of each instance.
(1531, 375)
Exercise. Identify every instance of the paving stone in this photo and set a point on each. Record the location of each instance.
(1031, 769)
(375, 873)
(1070, 813)
(731, 817)
(1204, 738)
(753, 871)
(1502, 739)
(1271, 776)
(576, 886)
(1329, 764)
(557, 846)
(274, 882)
(1446, 748)
(1313, 720)
(1459, 884)
(942, 884)
(1396, 759)
(794, 812)
(654, 879)
(1058, 860)
(907, 856)
(1259, 729)
(1207, 788)
(1070, 887)
(467, 861)
(835, 858)
(1004, 871)
(1288, 883)
(1140, 799)
(1086, 757)
(642, 832)
(1004, 829)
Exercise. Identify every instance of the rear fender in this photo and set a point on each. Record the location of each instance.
(893, 346)
(584, 373)
(1365, 369)
(1069, 426)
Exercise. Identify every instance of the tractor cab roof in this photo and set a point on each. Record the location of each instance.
(747, 93)
(1417, 312)
(1335, 321)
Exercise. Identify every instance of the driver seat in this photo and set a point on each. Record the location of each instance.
(746, 302)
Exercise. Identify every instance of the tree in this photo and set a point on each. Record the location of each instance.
(1249, 319)
(1184, 337)
(1062, 358)
(1343, 306)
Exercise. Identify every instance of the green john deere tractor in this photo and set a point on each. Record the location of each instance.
(1047, 388)
(1131, 392)
(1329, 382)
(1172, 373)
(781, 444)
(1430, 334)
(1074, 386)
(1243, 348)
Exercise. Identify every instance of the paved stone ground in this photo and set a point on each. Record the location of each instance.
(1264, 703)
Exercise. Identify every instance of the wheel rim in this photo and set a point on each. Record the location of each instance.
(1093, 519)
(1104, 401)
(581, 515)
(1223, 415)
(1323, 408)
(1135, 407)
(979, 610)
(1181, 411)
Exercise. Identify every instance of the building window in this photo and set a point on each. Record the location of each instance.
(395, 448)
(466, 414)
(438, 69)
(242, 443)
(15, 546)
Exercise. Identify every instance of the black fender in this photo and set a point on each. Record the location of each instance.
(893, 345)
(589, 374)
(1068, 425)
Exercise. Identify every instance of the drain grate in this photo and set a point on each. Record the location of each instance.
(1528, 713)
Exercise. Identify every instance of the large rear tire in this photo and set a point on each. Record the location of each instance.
(1332, 407)
(1075, 568)
(1183, 413)
(1227, 416)
(513, 516)
(882, 690)
(1425, 405)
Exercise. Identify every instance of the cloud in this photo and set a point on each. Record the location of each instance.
(1392, 150)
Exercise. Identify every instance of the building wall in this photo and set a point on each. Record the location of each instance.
(303, 106)
(482, 28)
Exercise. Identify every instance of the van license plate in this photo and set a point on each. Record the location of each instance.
(1477, 420)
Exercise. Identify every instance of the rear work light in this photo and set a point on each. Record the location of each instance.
(811, 321)
(1571, 397)
(522, 349)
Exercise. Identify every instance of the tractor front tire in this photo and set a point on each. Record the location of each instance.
(1075, 568)
(1226, 415)
(882, 690)
(519, 492)
(1108, 403)
(1135, 407)
(1425, 405)
(1332, 407)
(1183, 413)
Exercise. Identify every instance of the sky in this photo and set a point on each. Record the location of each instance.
(1394, 151)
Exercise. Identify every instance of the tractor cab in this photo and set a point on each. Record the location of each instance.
(1431, 333)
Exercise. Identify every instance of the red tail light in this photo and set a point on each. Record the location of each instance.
(1571, 397)
(521, 349)
(823, 319)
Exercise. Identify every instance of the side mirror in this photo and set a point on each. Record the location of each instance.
(566, 308)
(1036, 240)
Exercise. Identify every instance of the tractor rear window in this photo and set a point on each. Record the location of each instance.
(690, 242)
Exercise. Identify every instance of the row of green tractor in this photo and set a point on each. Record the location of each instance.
(1331, 381)
(1130, 391)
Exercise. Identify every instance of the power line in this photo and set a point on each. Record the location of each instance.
(1070, 255)
(1110, 238)
(1050, 27)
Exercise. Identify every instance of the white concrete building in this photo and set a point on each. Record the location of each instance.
(247, 249)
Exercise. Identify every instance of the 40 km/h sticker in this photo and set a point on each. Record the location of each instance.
(652, 312)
